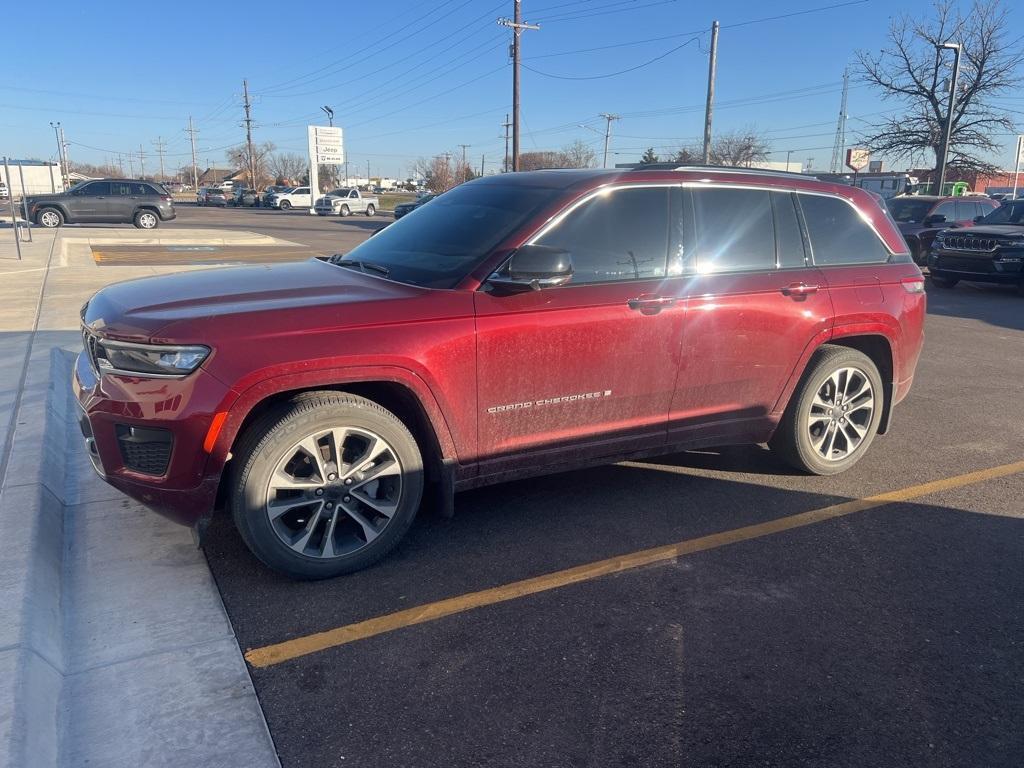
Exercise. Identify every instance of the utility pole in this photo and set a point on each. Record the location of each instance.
(160, 145)
(142, 162)
(840, 142)
(709, 107)
(464, 166)
(131, 165)
(607, 134)
(60, 150)
(506, 125)
(367, 172)
(947, 131)
(482, 164)
(517, 26)
(248, 136)
(120, 162)
(192, 139)
(67, 161)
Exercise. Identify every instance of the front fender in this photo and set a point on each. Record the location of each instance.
(258, 392)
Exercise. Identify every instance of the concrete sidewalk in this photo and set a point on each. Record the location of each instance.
(115, 649)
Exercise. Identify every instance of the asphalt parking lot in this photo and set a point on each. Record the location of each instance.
(704, 609)
(325, 235)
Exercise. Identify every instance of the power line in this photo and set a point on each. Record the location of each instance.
(612, 74)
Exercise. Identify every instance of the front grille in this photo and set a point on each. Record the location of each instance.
(92, 348)
(971, 243)
(144, 449)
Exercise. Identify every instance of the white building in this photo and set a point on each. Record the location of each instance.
(40, 177)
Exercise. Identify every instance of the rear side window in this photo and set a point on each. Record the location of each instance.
(146, 189)
(947, 209)
(838, 234)
(734, 230)
(621, 235)
(119, 188)
(789, 241)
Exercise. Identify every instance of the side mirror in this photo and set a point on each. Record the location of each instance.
(533, 267)
(935, 218)
(978, 219)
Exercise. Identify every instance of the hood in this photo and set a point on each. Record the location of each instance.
(199, 302)
(993, 230)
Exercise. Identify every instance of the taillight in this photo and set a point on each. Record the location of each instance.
(167, 199)
(913, 284)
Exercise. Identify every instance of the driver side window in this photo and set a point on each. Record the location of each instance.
(615, 236)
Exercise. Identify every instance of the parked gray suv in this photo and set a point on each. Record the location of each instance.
(104, 201)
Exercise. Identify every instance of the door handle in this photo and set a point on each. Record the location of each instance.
(648, 302)
(799, 290)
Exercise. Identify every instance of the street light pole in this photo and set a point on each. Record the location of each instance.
(60, 148)
(330, 115)
(948, 129)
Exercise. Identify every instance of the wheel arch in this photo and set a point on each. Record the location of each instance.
(410, 401)
(878, 348)
(59, 207)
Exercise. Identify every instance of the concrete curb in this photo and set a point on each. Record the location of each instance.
(116, 649)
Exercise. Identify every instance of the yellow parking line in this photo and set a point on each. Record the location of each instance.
(302, 646)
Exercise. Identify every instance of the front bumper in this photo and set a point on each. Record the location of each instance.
(112, 405)
(1005, 267)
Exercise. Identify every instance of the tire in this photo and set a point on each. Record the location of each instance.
(345, 211)
(270, 450)
(942, 281)
(371, 210)
(286, 205)
(811, 414)
(50, 218)
(146, 220)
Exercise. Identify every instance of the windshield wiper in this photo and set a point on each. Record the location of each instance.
(363, 266)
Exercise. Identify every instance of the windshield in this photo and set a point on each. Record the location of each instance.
(439, 244)
(907, 210)
(1010, 213)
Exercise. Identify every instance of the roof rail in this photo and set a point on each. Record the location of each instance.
(716, 169)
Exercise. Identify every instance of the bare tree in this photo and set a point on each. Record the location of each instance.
(239, 158)
(911, 72)
(287, 166)
(741, 148)
(438, 172)
(578, 155)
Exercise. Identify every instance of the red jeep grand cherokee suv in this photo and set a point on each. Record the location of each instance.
(519, 324)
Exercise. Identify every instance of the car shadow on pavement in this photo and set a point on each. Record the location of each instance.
(998, 305)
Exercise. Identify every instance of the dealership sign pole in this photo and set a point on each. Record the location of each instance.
(326, 147)
(1016, 164)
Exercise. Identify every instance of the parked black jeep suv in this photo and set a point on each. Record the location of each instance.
(992, 251)
(104, 201)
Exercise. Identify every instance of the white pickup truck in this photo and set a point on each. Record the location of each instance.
(293, 198)
(345, 202)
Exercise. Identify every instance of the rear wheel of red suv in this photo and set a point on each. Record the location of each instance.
(834, 414)
(328, 484)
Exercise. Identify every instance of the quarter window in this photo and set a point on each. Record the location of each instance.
(789, 241)
(734, 230)
(615, 236)
(838, 234)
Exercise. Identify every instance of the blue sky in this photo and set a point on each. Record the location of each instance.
(410, 79)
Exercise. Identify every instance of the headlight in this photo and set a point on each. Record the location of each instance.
(149, 359)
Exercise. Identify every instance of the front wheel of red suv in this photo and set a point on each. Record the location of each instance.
(328, 484)
(834, 414)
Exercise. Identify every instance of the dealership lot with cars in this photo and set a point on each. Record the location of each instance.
(705, 591)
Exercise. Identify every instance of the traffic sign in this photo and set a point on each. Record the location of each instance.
(857, 159)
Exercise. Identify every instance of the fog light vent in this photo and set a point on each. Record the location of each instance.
(144, 449)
